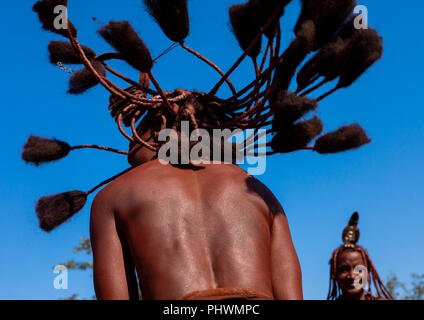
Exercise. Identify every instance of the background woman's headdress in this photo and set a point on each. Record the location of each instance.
(325, 27)
(350, 235)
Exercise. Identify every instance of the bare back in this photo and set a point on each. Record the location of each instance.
(188, 230)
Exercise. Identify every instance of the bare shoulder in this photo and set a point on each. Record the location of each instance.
(237, 182)
(139, 181)
(254, 185)
(101, 203)
(154, 180)
(111, 194)
(146, 174)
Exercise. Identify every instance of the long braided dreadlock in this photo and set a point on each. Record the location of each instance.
(350, 237)
(324, 26)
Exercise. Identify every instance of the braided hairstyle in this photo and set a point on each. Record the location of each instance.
(324, 26)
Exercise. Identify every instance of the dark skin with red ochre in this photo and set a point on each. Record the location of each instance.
(186, 230)
(345, 275)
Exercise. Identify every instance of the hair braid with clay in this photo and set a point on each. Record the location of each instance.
(266, 102)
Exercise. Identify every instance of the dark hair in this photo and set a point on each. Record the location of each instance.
(255, 106)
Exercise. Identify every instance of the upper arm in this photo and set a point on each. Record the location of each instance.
(113, 271)
(285, 266)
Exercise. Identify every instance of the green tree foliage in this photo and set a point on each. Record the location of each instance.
(73, 297)
(83, 246)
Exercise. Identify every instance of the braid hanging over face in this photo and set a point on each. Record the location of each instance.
(265, 103)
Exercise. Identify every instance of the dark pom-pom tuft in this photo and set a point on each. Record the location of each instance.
(54, 210)
(297, 136)
(245, 27)
(294, 55)
(172, 17)
(84, 79)
(122, 36)
(290, 108)
(348, 28)
(347, 56)
(328, 16)
(63, 51)
(45, 11)
(38, 150)
(322, 64)
(346, 138)
(364, 48)
(263, 9)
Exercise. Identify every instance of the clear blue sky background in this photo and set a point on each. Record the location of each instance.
(383, 181)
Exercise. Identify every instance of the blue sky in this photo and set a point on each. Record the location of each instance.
(383, 180)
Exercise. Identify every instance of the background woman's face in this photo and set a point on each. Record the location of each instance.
(346, 275)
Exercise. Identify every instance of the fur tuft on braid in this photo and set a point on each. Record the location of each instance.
(263, 9)
(290, 108)
(54, 210)
(297, 136)
(62, 51)
(122, 36)
(320, 64)
(327, 15)
(45, 10)
(261, 103)
(348, 56)
(363, 50)
(38, 150)
(84, 79)
(293, 56)
(348, 29)
(346, 138)
(245, 27)
(172, 17)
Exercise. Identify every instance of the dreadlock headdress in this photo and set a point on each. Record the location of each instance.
(350, 237)
(342, 52)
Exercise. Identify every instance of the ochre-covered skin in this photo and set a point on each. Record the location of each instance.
(190, 230)
(347, 261)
